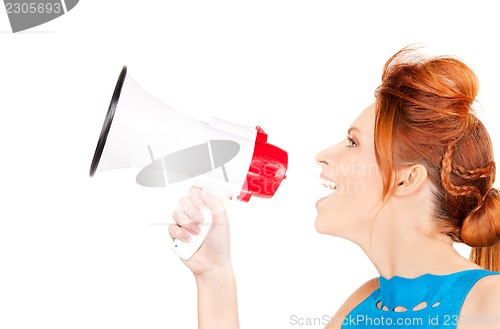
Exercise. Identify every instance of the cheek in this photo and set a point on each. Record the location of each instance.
(368, 182)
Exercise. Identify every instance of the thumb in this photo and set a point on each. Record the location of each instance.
(216, 206)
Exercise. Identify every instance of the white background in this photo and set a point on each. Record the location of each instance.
(77, 252)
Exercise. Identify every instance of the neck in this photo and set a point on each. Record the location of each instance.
(404, 247)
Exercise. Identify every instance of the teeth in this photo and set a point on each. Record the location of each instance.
(329, 184)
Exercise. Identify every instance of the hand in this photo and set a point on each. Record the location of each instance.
(214, 253)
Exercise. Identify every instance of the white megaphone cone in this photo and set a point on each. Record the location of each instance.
(168, 147)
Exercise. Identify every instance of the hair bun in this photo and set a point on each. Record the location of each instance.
(481, 228)
(453, 83)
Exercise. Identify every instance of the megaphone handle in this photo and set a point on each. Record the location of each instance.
(186, 250)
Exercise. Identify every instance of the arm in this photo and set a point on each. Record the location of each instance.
(211, 264)
(217, 302)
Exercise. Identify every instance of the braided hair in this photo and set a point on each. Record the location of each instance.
(424, 115)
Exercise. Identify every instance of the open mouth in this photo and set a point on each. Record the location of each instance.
(330, 185)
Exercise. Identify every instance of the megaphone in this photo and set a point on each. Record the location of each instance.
(167, 147)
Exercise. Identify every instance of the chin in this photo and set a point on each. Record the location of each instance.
(322, 227)
(317, 226)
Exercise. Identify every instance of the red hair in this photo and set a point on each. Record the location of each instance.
(424, 115)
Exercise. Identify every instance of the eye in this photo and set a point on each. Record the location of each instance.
(352, 142)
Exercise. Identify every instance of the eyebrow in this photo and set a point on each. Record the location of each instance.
(353, 129)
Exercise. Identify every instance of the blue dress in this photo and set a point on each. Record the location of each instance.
(438, 299)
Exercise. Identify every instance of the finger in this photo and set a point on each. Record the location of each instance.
(215, 204)
(181, 218)
(190, 209)
(194, 194)
(184, 221)
(177, 232)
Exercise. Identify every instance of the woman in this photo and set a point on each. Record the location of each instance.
(425, 163)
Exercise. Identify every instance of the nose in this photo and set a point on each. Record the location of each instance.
(329, 155)
(323, 158)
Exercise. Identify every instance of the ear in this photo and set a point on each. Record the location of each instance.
(410, 179)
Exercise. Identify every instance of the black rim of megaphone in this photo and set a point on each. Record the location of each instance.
(107, 121)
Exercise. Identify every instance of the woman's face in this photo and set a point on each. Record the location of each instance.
(350, 172)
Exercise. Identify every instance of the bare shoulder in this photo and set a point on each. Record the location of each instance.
(481, 308)
(485, 295)
(354, 300)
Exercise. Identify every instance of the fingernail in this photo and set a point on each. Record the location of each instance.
(185, 237)
(196, 229)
